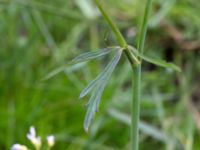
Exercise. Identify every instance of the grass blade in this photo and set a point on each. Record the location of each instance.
(157, 62)
(143, 126)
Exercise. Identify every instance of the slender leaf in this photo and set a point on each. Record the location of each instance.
(99, 85)
(92, 55)
(89, 87)
(79, 59)
(91, 110)
(98, 79)
(157, 62)
(63, 68)
(92, 106)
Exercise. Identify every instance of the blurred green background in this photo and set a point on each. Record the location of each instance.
(38, 36)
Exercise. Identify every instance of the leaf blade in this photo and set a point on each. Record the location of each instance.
(80, 59)
(92, 55)
(98, 90)
(156, 62)
(92, 109)
(63, 68)
(96, 80)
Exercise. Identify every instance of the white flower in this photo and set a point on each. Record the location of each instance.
(18, 147)
(50, 140)
(36, 141)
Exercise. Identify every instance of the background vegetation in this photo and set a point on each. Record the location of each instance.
(38, 36)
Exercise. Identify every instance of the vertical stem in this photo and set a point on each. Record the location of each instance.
(122, 42)
(114, 28)
(135, 106)
(143, 30)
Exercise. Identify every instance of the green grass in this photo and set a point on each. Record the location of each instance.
(39, 36)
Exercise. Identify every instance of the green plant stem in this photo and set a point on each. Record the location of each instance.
(114, 28)
(135, 106)
(144, 27)
(122, 42)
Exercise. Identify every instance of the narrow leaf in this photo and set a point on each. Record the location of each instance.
(99, 78)
(63, 68)
(81, 58)
(92, 109)
(92, 55)
(99, 85)
(89, 87)
(89, 114)
(157, 62)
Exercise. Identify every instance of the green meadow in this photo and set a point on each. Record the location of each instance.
(40, 81)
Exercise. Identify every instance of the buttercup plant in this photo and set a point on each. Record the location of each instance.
(134, 56)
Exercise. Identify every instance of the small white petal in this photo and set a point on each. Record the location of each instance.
(19, 147)
(36, 141)
(30, 137)
(32, 131)
(50, 140)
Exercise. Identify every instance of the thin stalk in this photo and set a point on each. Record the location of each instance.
(122, 42)
(114, 28)
(135, 106)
